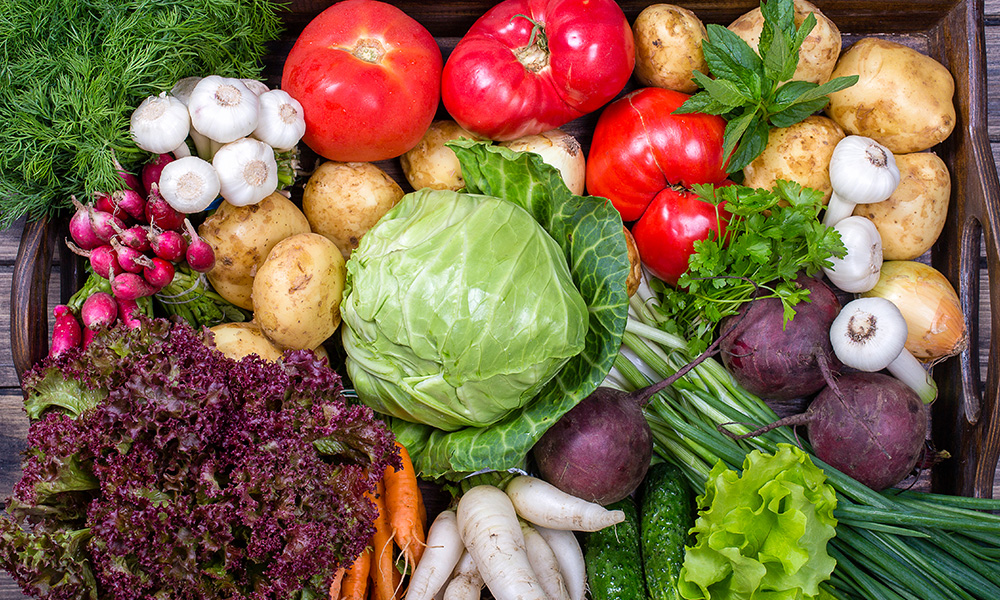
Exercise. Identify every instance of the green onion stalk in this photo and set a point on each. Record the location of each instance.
(890, 545)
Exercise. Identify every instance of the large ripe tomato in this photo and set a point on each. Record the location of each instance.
(673, 222)
(528, 66)
(640, 147)
(368, 77)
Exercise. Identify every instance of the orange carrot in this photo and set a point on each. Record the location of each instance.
(354, 585)
(384, 586)
(335, 585)
(407, 515)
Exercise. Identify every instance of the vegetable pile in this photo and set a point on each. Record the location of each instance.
(156, 463)
(559, 349)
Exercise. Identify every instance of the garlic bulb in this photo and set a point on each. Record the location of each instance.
(858, 271)
(248, 171)
(223, 109)
(281, 122)
(189, 184)
(869, 334)
(160, 124)
(862, 171)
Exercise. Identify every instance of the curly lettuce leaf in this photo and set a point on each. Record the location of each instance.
(762, 533)
(590, 232)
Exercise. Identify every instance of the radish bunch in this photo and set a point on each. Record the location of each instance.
(135, 240)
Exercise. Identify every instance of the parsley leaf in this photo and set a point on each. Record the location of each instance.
(773, 236)
(752, 89)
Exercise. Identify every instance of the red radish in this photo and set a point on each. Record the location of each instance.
(130, 259)
(200, 255)
(778, 360)
(66, 332)
(131, 202)
(151, 171)
(81, 228)
(159, 273)
(99, 311)
(103, 259)
(131, 181)
(104, 225)
(160, 213)
(106, 203)
(135, 237)
(128, 310)
(167, 244)
(131, 286)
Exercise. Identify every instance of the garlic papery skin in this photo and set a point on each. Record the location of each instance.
(160, 124)
(281, 122)
(858, 271)
(182, 91)
(189, 184)
(256, 86)
(560, 150)
(869, 335)
(223, 109)
(247, 171)
(862, 171)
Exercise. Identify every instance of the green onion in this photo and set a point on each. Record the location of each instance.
(892, 545)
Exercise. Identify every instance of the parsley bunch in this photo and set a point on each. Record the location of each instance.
(772, 237)
(746, 86)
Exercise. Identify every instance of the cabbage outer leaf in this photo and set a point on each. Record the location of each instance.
(590, 232)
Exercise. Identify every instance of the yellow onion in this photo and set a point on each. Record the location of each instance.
(930, 306)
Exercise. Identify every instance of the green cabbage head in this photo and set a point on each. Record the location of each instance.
(458, 308)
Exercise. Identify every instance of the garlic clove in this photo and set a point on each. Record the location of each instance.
(248, 171)
(281, 122)
(159, 124)
(223, 109)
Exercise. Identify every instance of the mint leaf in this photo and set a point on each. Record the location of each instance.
(745, 86)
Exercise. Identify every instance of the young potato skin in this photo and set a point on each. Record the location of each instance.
(668, 47)
(342, 201)
(432, 164)
(820, 49)
(912, 218)
(298, 290)
(903, 99)
(242, 236)
(237, 340)
(799, 153)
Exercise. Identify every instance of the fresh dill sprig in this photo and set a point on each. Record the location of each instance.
(72, 72)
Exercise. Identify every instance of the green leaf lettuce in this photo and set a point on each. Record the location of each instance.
(762, 534)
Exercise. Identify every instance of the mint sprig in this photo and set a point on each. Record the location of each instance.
(745, 86)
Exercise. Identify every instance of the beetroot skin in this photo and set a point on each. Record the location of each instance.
(875, 434)
(780, 361)
(600, 450)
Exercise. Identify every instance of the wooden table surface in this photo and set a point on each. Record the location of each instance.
(14, 423)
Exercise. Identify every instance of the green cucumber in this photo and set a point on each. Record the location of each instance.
(612, 555)
(666, 508)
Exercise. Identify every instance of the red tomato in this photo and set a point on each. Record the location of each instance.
(508, 78)
(667, 231)
(640, 147)
(368, 77)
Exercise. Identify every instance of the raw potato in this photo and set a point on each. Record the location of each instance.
(342, 201)
(560, 150)
(799, 153)
(237, 340)
(432, 164)
(903, 99)
(819, 51)
(241, 237)
(297, 291)
(912, 218)
(668, 47)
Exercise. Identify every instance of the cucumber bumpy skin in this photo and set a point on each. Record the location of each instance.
(667, 515)
(613, 557)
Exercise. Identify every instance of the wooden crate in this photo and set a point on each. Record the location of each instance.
(965, 417)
